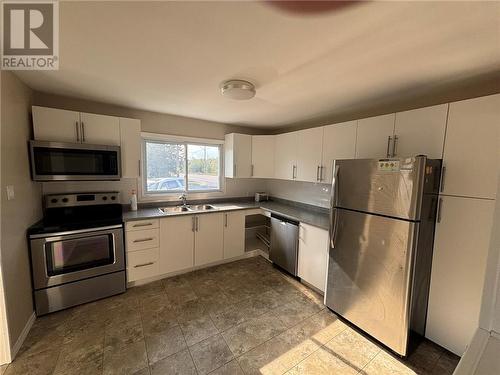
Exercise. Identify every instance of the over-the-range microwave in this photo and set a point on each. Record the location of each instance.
(59, 161)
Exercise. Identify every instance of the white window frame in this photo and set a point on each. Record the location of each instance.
(164, 138)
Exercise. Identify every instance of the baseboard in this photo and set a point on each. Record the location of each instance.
(22, 336)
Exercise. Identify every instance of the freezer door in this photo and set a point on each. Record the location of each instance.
(391, 187)
(368, 281)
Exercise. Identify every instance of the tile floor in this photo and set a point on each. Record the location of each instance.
(244, 317)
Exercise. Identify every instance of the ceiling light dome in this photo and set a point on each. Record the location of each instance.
(238, 89)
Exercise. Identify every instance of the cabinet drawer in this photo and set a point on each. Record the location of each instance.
(143, 264)
(142, 239)
(141, 225)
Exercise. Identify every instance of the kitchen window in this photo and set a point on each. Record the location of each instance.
(177, 165)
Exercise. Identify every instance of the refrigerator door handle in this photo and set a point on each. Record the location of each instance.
(333, 203)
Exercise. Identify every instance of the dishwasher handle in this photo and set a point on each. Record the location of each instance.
(285, 220)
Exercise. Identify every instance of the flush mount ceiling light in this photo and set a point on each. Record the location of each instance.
(238, 89)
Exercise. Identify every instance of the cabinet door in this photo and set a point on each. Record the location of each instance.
(310, 142)
(421, 132)
(313, 255)
(285, 156)
(263, 147)
(100, 129)
(458, 271)
(234, 234)
(373, 136)
(176, 243)
(339, 142)
(209, 242)
(238, 155)
(50, 124)
(471, 150)
(130, 147)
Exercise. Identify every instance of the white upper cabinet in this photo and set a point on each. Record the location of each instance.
(50, 124)
(130, 142)
(472, 148)
(238, 155)
(209, 241)
(374, 137)
(339, 142)
(234, 234)
(420, 132)
(310, 142)
(100, 129)
(285, 157)
(263, 156)
(458, 269)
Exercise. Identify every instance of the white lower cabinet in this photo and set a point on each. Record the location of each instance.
(142, 249)
(458, 270)
(234, 234)
(142, 264)
(176, 243)
(208, 240)
(313, 255)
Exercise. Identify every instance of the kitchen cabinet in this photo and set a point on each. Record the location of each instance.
(309, 145)
(458, 269)
(471, 150)
(142, 264)
(285, 157)
(238, 155)
(420, 132)
(142, 249)
(374, 137)
(100, 129)
(313, 255)
(234, 234)
(339, 142)
(263, 147)
(176, 243)
(51, 124)
(208, 242)
(130, 143)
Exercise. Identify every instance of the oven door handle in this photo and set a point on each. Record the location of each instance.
(56, 235)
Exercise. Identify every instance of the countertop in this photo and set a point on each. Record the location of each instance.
(301, 212)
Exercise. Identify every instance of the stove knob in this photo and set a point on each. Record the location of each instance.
(65, 200)
(104, 198)
(53, 200)
(113, 197)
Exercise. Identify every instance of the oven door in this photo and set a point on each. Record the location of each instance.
(74, 161)
(65, 257)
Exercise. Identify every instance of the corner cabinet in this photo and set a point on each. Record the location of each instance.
(238, 155)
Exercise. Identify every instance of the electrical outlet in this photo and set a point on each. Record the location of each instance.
(10, 192)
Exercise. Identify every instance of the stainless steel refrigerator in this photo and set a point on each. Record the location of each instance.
(383, 213)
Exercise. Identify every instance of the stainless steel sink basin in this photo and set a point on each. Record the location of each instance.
(203, 207)
(173, 209)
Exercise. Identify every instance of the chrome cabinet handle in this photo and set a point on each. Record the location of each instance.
(321, 173)
(389, 139)
(193, 225)
(443, 173)
(251, 172)
(142, 225)
(139, 167)
(83, 132)
(317, 173)
(225, 220)
(440, 206)
(197, 223)
(234, 170)
(77, 131)
(144, 264)
(394, 145)
(144, 239)
(294, 172)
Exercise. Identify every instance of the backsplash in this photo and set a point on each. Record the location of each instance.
(304, 192)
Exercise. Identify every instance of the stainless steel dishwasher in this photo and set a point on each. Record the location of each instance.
(284, 243)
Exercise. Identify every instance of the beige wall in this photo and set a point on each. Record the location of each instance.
(150, 121)
(24, 210)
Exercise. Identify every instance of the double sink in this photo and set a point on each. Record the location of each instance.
(187, 208)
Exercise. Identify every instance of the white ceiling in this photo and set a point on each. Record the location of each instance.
(170, 57)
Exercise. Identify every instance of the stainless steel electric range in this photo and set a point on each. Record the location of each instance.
(77, 250)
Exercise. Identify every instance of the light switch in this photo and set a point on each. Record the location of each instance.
(10, 192)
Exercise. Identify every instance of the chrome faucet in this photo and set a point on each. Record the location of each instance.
(183, 198)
